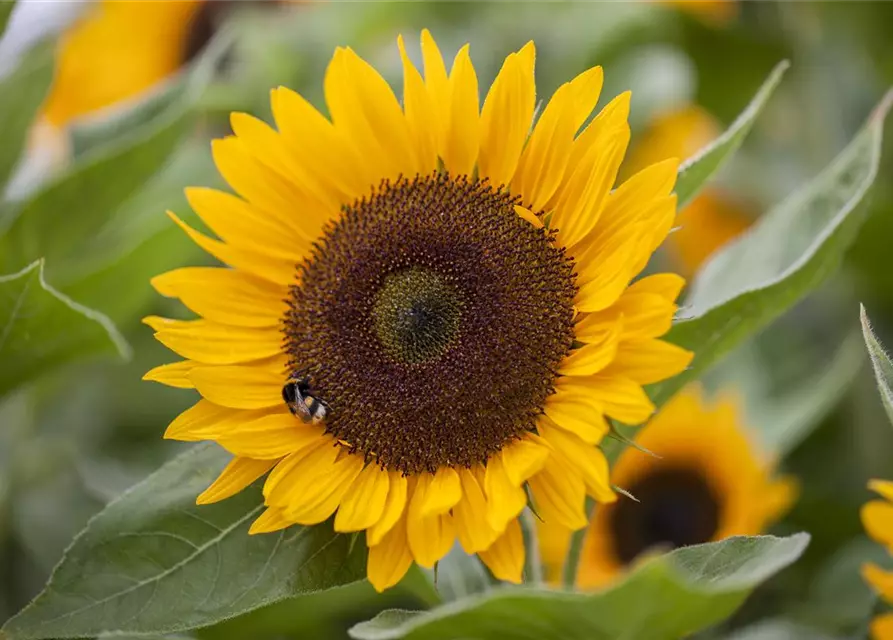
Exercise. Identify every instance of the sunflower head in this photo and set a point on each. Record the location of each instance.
(706, 481)
(455, 283)
(876, 517)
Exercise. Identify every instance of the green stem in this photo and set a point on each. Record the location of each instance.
(575, 551)
(533, 565)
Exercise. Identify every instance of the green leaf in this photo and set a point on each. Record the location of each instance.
(155, 562)
(779, 629)
(21, 94)
(695, 171)
(786, 255)
(666, 597)
(880, 362)
(5, 11)
(59, 219)
(42, 328)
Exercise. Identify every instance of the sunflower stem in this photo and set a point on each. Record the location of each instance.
(575, 550)
(533, 565)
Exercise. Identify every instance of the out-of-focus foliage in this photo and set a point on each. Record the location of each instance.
(78, 244)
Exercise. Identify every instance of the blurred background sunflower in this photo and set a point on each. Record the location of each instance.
(108, 152)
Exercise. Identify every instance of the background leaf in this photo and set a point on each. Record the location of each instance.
(695, 171)
(42, 328)
(787, 254)
(880, 362)
(21, 94)
(154, 562)
(666, 597)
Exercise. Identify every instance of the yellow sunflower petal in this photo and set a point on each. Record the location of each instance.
(241, 386)
(594, 356)
(272, 519)
(201, 421)
(588, 460)
(666, 285)
(268, 437)
(175, 374)
(622, 398)
(528, 215)
(226, 296)
(364, 503)
(319, 502)
(238, 474)
(523, 458)
(544, 160)
(505, 557)
(326, 155)
(213, 343)
(389, 558)
(276, 197)
(613, 116)
(506, 117)
(269, 147)
(559, 494)
(269, 268)
(877, 516)
(648, 361)
(460, 150)
(421, 115)
(881, 580)
(429, 537)
(882, 627)
(365, 109)
(882, 487)
(394, 507)
(298, 472)
(505, 499)
(626, 203)
(438, 84)
(585, 193)
(239, 224)
(603, 279)
(572, 408)
(472, 528)
(440, 492)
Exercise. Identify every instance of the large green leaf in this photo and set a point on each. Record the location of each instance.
(786, 255)
(21, 94)
(880, 362)
(154, 562)
(666, 597)
(42, 328)
(695, 171)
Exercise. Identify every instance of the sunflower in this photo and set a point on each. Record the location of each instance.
(877, 517)
(121, 49)
(462, 320)
(715, 11)
(706, 481)
(714, 217)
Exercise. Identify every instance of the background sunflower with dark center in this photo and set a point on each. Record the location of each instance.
(706, 480)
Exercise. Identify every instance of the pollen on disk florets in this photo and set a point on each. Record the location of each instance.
(432, 319)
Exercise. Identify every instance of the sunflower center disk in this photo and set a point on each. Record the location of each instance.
(416, 315)
(431, 318)
(676, 508)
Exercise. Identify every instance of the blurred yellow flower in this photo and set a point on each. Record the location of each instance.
(716, 11)
(877, 517)
(708, 482)
(117, 51)
(713, 218)
(461, 322)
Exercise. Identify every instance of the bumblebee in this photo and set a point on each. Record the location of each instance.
(301, 401)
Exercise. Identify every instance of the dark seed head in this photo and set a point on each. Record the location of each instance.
(431, 318)
(676, 508)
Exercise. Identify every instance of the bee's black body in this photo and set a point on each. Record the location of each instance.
(301, 401)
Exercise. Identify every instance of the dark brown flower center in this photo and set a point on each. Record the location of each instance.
(431, 319)
(677, 507)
